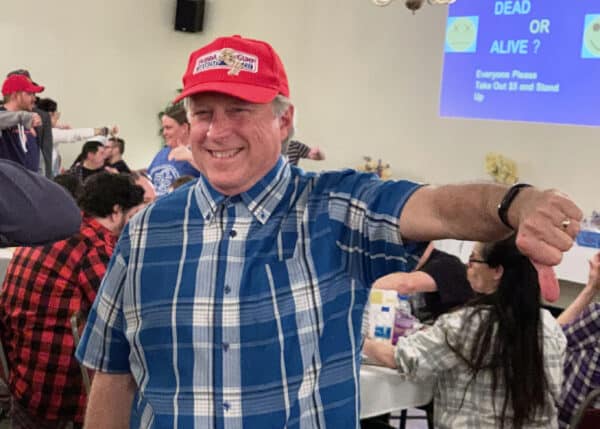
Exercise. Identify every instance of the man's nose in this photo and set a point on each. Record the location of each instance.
(220, 126)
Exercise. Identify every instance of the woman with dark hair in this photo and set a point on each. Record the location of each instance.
(497, 361)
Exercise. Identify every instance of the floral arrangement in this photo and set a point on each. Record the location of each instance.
(502, 169)
(370, 166)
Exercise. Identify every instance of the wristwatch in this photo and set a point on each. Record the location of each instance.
(507, 200)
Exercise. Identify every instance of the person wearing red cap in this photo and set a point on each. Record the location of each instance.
(17, 143)
(43, 132)
(237, 301)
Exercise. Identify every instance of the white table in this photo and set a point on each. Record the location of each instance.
(383, 390)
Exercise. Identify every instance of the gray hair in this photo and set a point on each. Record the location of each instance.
(280, 105)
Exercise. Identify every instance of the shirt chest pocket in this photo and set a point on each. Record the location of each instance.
(280, 308)
(286, 307)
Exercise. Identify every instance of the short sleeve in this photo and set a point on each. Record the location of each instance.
(450, 276)
(364, 213)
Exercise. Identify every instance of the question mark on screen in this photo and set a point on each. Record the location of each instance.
(536, 45)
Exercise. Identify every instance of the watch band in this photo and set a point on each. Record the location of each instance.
(507, 200)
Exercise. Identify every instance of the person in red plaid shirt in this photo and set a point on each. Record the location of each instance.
(43, 287)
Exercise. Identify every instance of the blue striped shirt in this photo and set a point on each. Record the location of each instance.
(245, 311)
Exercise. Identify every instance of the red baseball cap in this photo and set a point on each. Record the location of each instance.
(243, 68)
(19, 82)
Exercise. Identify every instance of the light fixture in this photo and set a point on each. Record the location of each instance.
(381, 2)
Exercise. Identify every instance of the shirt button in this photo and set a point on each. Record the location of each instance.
(226, 406)
(227, 289)
(225, 346)
(207, 217)
(232, 233)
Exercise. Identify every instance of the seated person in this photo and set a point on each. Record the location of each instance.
(90, 161)
(115, 147)
(497, 361)
(71, 183)
(43, 287)
(142, 180)
(441, 278)
(581, 325)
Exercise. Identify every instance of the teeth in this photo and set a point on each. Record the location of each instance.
(225, 154)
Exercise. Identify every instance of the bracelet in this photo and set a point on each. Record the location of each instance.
(507, 200)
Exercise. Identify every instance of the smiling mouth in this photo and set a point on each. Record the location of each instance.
(594, 45)
(224, 154)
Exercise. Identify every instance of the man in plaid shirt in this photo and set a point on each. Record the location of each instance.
(43, 287)
(236, 301)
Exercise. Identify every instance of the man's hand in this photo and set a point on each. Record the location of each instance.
(111, 170)
(316, 154)
(594, 275)
(180, 153)
(547, 223)
(36, 120)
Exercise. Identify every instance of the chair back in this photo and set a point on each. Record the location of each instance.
(3, 364)
(587, 417)
(78, 320)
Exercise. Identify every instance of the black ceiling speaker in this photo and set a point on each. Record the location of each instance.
(189, 15)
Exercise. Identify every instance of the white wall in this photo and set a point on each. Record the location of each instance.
(365, 80)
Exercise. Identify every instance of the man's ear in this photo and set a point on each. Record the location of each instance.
(116, 210)
(286, 121)
(498, 272)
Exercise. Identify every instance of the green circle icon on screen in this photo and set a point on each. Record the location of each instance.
(591, 37)
(461, 34)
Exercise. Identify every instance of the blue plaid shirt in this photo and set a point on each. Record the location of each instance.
(245, 311)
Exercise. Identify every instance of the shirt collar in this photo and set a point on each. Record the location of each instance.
(261, 199)
(104, 234)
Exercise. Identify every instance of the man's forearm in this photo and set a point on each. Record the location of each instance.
(11, 119)
(585, 297)
(109, 404)
(466, 211)
(381, 352)
(546, 221)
